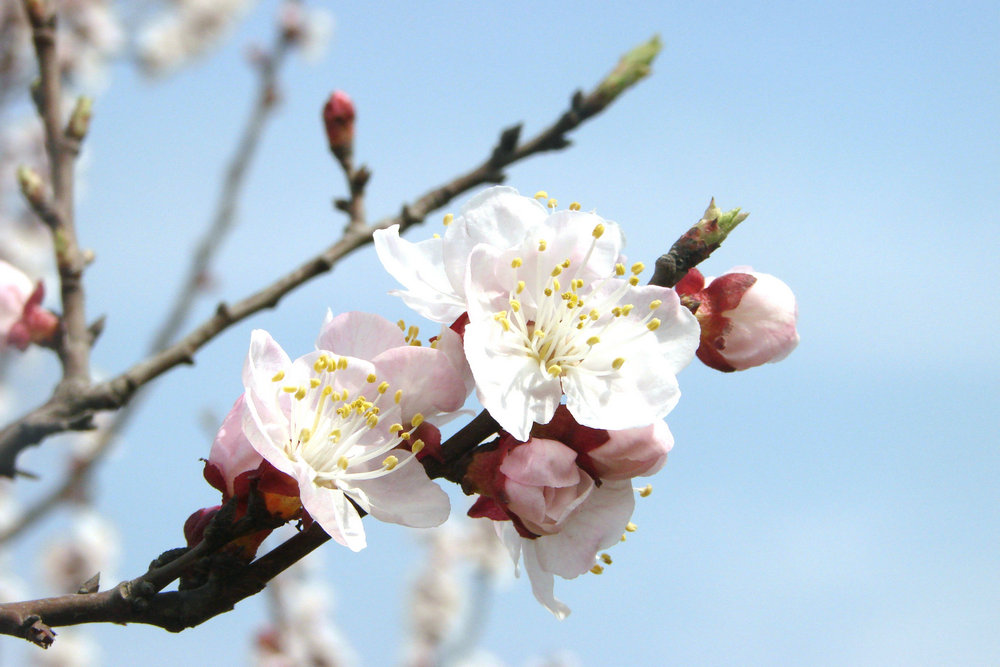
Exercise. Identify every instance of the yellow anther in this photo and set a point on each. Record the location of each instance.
(383, 387)
(616, 311)
(554, 369)
(335, 435)
(435, 235)
(646, 490)
(413, 332)
(557, 270)
(345, 395)
(319, 365)
(342, 463)
(520, 287)
(654, 304)
(417, 420)
(597, 569)
(515, 305)
(300, 393)
(375, 410)
(398, 396)
(539, 333)
(594, 315)
(541, 194)
(448, 219)
(631, 527)
(402, 325)
(617, 363)
(638, 268)
(405, 435)
(619, 270)
(552, 203)
(418, 446)
(606, 559)
(598, 230)
(556, 285)
(516, 262)
(313, 382)
(278, 377)
(593, 340)
(371, 378)
(547, 291)
(633, 280)
(575, 206)
(372, 420)
(627, 308)
(304, 435)
(577, 283)
(622, 538)
(395, 428)
(342, 363)
(566, 262)
(654, 324)
(289, 390)
(416, 343)
(542, 245)
(327, 390)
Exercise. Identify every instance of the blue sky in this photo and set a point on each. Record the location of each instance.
(841, 507)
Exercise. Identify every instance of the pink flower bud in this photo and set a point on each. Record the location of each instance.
(611, 455)
(747, 318)
(338, 119)
(194, 527)
(23, 321)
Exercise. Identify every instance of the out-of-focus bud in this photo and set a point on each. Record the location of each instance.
(632, 68)
(79, 120)
(747, 318)
(32, 186)
(338, 119)
(22, 319)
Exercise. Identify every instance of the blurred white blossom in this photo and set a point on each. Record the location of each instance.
(90, 547)
(185, 31)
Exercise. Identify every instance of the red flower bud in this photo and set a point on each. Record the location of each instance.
(338, 119)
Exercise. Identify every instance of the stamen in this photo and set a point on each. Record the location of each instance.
(654, 304)
(638, 268)
(278, 377)
(606, 559)
(314, 382)
(597, 569)
(617, 363)
(554, 370)
(398, 396)
(395, 428)
(417, 420)
(342, 363)
(371, 378)
(300, 393)
(598, 231)
(448, 218)
(516, 262)
(631, 527)
(633, 280)
(402, 325)
(542, 245)
(520, 287)
(654, 324)
(390, 462)
(552, 203)
(646, 490)
(541, 194)
(575, 206)
(342, 463)
(418, 446)
(593, 340)
(383, 387)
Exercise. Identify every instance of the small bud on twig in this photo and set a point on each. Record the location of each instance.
(633, 67)
(79, 120)
(338, 119)
(32, 186)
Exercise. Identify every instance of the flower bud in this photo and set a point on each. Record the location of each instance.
(23, 321)
(747, 318)
(79, 120)
(32, 186)
(338, 119)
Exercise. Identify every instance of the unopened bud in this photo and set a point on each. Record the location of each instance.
(338, 119)
(633, 67)
(32, 186)
(79, 120)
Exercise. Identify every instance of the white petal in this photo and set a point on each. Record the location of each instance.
(427, 378)
(542, 581)
(420, 268)
(407, 496)
(332, 510)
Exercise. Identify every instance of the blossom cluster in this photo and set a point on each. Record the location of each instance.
(574, 360)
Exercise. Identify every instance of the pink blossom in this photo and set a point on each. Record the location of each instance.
(22, 319)
(747, 318)
(339, 421)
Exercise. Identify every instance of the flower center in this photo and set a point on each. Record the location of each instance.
(338, 433)
(570, 316)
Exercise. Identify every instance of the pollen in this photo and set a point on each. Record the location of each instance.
(542, 245)
(371, 378)
(617, 363)
(390, 462)
(606, 559)
(278, 377)
(417, 420)
(597, 569)
(448, 219)
(638, 268)
(418, 446)
(631, 527)
(654, 304)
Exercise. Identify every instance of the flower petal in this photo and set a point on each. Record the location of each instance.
(420, 268)
(357, 334)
